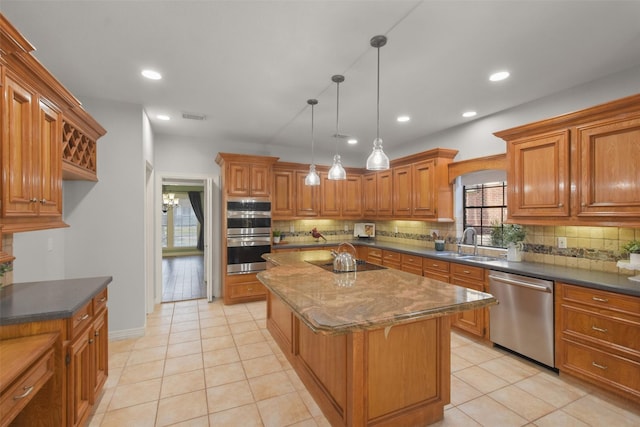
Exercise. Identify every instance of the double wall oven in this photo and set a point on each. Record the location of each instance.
(248, 234)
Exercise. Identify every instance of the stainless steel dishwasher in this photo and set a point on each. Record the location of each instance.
(523, 319)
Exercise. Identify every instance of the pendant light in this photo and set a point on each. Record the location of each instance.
(312, 177)
(377, 160)
(337, 171)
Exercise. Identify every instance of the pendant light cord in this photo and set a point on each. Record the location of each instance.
(337, 112)
(312, 139)
(378, 98)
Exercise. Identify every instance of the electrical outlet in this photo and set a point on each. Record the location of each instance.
(562, 242)
(292, 229)
(346, 227)
(396, 229)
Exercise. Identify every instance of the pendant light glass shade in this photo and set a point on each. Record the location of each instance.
(337, 172)
(378, 160)
(312, 177)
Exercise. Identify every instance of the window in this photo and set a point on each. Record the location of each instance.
(485, 209)
(180, 225)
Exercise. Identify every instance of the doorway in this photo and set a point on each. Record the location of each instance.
(187, 272)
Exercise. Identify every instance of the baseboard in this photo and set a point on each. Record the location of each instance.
(126, 334)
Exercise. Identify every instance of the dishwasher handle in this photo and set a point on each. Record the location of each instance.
(520, 283)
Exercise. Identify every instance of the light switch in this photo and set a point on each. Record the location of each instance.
(50, 244)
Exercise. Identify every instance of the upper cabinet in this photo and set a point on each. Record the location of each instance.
(579, 168)
(415, 187)
(35, 117)
(421, 188)
(245, 175)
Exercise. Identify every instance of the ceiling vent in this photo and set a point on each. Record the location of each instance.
(193, 116)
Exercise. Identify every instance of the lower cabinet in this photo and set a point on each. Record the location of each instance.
(471, 321)
(436, 269)
(80, 360)
(412, 264)
(243, 288)
(598, 338)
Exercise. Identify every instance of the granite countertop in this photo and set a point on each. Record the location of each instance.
(612, 282)
(334, 303)
(47, 300)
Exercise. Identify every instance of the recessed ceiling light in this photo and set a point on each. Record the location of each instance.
(151, 74)
(469, 114)
(163, 117)
(352, 141)
(403, 119)
(500, 75)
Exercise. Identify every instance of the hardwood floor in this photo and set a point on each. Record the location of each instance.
(183, 278)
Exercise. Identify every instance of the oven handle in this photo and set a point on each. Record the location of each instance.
(248, 214)
(519, 283)
(248, 241)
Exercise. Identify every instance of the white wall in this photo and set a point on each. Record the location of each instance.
(39, 255)
(106, 236)
(476, 139)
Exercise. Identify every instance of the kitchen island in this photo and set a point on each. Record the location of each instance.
(372, 347)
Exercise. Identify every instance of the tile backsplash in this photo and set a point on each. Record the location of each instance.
(590, 248)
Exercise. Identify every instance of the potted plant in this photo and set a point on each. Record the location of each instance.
(513, 237)
(4, 268)
(276, 236)
(633, 249)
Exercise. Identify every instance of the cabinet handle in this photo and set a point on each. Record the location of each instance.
(33, 200)
(27, 392)
(599, 366)
(583, 204)
(43, 201)
(560, 205)
(466, 272)
(249, 289)
(85, 317)
(90, 340)
(103, 299)
(600, 299)
(595, 328)
(434, 265)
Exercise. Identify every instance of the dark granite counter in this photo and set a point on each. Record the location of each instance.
(613, 282)
(47, 300)
(336, 303)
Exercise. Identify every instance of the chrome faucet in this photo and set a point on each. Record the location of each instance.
(469, 237)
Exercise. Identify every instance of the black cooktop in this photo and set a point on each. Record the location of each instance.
(361, 265)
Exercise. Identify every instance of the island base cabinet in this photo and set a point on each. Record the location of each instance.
(394, 376)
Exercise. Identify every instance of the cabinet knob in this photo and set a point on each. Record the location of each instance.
(583, 204)
(96, 334)
(33, 200)
(91, 341)
(560, 205)
(43, 201)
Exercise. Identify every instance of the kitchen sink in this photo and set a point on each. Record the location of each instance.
(452, 255)
(479, 258)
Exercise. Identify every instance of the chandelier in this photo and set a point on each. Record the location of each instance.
(169, 201)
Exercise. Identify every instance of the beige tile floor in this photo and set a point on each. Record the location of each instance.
(203, 364)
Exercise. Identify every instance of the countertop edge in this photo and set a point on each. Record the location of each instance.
(601, 280)
(101, 282)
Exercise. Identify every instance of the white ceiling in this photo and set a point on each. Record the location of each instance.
(250, 66)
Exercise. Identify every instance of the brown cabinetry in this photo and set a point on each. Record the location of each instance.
(33, 110)
(598, 338)
(79, 364)
(471, 321)
(412, 264)
(369, 195)
(384, 194)
(243, 288)
(436, 269)
(392, 259)
(306, 197)
(578, 168)
(244, 175)
(402, 191)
